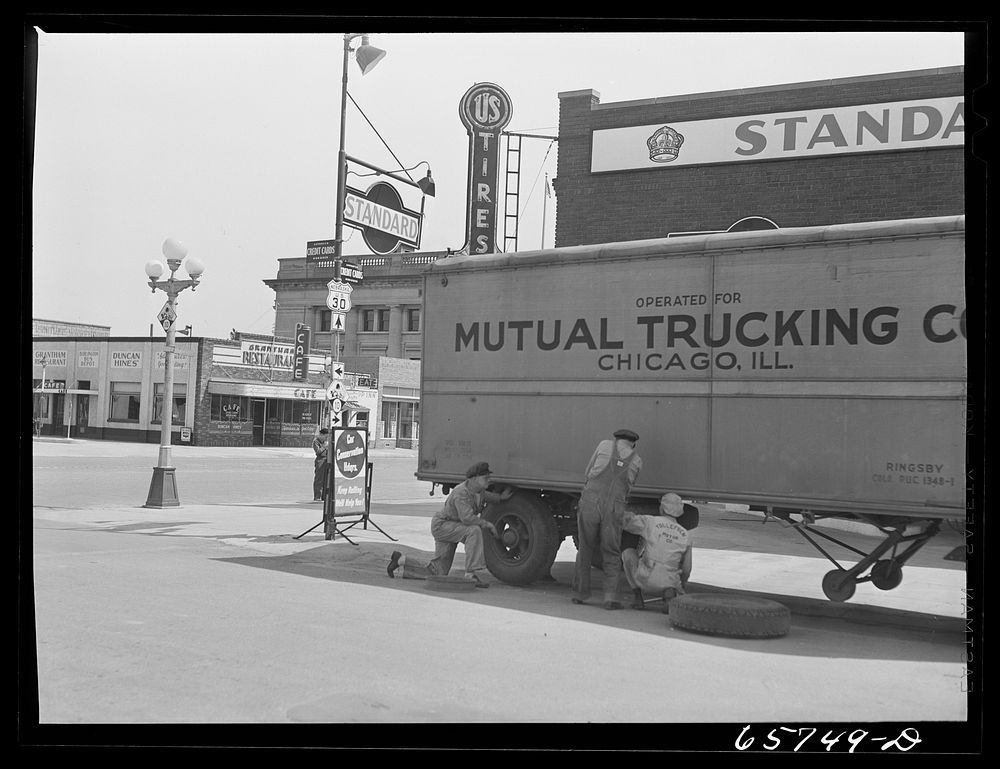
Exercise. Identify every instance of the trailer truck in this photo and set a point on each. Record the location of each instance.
(808, 373)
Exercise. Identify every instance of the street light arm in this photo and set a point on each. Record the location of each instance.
(392, 175)
(173, 287)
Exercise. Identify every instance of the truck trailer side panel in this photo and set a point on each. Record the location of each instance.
(817, 368)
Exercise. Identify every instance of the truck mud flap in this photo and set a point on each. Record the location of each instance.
(730, 615)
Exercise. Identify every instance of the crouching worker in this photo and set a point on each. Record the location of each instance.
(662, 564)
(460, 520)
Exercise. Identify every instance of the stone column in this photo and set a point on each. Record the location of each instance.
(395, 343)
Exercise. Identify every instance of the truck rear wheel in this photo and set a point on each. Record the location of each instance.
(528, 539)
(730, 615)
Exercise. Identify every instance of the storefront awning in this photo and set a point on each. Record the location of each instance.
(287, 391)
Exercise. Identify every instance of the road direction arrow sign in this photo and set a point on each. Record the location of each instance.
(338, 371)
(338, 321)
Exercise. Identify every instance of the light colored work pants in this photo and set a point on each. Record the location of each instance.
(447, 535)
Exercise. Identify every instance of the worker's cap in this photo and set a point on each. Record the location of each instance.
(480, 468)
(671, 504)
(627, 435)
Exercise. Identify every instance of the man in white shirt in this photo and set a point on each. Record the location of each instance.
(662, 564)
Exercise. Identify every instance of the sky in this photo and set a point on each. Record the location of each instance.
(227, 142)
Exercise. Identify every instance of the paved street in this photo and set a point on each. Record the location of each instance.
(214, 612)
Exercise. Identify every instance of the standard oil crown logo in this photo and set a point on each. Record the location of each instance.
(664, 145)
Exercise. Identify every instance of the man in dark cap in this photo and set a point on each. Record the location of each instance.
(461, 520)
(610, 475)
(320, 445)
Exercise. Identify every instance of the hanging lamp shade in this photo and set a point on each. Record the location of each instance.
(426, 184)
(368, 56)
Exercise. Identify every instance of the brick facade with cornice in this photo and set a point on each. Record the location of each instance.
(651, 203)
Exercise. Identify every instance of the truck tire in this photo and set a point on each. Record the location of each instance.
(528, 539)
(730, 615)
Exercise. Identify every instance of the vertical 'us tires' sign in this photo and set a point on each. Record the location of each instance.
(485, 110)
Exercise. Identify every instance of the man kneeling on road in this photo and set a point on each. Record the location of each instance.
(662, 564)
(460, 520)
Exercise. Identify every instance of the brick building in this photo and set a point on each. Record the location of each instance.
(227, 392)
(887, 146)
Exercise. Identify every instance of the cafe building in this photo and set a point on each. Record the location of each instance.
(241, 391)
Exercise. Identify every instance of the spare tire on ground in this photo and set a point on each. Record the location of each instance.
(730, 615)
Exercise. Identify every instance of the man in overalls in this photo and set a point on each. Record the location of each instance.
(610, 475)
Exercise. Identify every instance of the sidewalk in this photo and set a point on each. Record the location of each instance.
(927, 598)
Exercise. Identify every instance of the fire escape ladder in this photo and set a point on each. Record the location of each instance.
(512, 193)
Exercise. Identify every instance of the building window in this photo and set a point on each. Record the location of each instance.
(180, 400)
(413, 319)
(400, 420)
(230, 407)
(125, 401)
(324, 320)
(375, 320)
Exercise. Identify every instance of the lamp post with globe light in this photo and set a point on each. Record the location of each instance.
(163, 486)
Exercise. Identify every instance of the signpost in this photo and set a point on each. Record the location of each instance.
(167, 316)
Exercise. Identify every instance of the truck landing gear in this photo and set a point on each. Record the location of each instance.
(837, 586)
(886, 573)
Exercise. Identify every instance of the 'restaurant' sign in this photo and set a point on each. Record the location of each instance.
(890, 126)
(384, 221)
(485, 110)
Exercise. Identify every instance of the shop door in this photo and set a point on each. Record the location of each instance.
(58, 410)
(257, 407)
(82, 414)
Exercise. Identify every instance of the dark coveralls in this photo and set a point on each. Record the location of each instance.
(320, 468)
(599, 524)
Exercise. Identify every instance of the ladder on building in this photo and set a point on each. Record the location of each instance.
(512, 186)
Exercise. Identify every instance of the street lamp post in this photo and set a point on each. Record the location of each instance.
(163, 486)
(367, 57)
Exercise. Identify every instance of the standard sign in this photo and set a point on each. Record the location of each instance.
(384, 221)
(902, 125)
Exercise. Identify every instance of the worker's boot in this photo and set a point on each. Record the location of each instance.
(637, 599)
